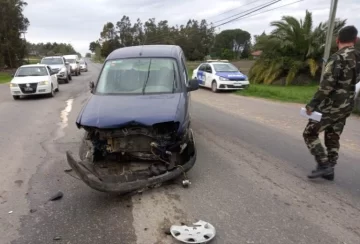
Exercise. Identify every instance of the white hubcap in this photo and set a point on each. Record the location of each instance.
(201, 232)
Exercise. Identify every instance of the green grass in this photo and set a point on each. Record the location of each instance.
(5, 77)
(296, 94)
(190, 71)
(34, 61)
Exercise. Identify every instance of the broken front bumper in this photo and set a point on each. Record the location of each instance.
(86, 171)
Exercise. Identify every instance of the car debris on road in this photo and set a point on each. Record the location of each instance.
(57, 196)
(200, 232)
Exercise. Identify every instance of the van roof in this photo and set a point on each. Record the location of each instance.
(149, 51)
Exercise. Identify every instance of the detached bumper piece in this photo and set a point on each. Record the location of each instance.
(123, 182)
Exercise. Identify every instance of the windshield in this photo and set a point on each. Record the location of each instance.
(31, 71)
(71, 61)
(139, 76)
(51, 61)
(225, 67)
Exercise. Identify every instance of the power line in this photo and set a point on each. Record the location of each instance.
(158, 37)
(243, 12)
(281, 6)
(228, 11)
(232, 20)
(253, 10)
(241, 17)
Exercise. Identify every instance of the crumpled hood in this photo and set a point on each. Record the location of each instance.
(114, 111)
(232, 75)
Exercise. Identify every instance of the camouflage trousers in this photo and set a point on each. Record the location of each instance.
(333, 130)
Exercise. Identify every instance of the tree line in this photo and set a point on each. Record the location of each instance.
(50, 49)
(197, 38)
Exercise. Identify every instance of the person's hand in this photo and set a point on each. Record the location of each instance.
(308, 111)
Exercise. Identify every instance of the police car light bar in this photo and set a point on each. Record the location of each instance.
(217, 60)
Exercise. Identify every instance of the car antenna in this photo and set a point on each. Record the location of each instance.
(142, 46)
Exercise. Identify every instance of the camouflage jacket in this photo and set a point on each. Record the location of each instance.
(336, 93)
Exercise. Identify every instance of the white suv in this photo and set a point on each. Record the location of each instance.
(59, 65)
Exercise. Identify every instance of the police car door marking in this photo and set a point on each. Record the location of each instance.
(201, 77)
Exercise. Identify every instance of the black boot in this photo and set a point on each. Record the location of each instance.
(321, 171)
(332, 175)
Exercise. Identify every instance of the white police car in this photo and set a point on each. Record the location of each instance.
(220, 75)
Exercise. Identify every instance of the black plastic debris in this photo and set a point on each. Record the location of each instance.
(33, 210)
(57, 196)
(57, 238)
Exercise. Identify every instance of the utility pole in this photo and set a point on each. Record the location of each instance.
(329, 34)
(23, 32)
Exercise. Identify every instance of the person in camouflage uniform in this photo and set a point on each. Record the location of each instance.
(335, 100)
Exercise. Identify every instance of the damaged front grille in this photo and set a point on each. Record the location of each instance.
(136, 152)
(129, 143)
(136, 140)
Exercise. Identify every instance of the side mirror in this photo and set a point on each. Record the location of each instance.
(77, 62)
(92, 86)
(67, 63)
(53, 72)
(193, 85)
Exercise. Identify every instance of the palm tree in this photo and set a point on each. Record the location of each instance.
(292, 46)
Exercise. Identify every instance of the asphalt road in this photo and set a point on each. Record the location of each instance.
(249, 180)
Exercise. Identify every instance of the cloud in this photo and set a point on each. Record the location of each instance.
(79, 22)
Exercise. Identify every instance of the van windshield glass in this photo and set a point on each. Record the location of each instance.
(139, 76)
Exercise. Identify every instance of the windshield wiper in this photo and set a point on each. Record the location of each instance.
(173, 88)
(147, 78)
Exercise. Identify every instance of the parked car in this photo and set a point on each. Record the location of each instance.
(74, 63)
(34, 79)
(138, 113)
(220, 75)
(83, 65)
(59, 65)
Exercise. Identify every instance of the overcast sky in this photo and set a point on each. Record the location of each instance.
(80, 21)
